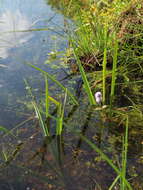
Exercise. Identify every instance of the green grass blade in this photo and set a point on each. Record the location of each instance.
(34, 30)
(64, 104)
(104, 64)
(114, 182)
(56, 81)
(37, 111)
(84, 78)
(38, 114)
(109, 161)
(61, 116)
(114, 71)
(59, 121)
(6, 131)
(53, 100)
(124, 154)
(17, 126)
(46, 96)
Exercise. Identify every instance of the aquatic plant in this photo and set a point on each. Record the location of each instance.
(104, 64)
(38, 115)
(121, 173)
(84, 78)
(114, 70)
(55, 81)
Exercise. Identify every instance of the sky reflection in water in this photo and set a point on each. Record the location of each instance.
(17, 48)
(9, 23)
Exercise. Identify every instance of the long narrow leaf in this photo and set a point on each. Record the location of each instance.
(104, 63)
(38, 114)
(46, 96)
(94, 147)
(37, 111)
(53, 100)
(114, 71)
(124, 154)
(59, 121)
(84, 78)
(6, 131)
(114, 182)
(54, 80)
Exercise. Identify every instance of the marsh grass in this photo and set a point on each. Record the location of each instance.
(56, 82)
(114, 71)
(6, 131)
(37, 111)
(60, 113)
(59, 107)
(121, 172)
(46, 96)
(124, 155)
(104, 64)
(85, 80)
(89, 34)
(114, 182)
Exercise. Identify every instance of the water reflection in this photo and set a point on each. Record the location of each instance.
(17, 48)
(10, 23)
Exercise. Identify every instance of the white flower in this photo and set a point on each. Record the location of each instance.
(98, 97)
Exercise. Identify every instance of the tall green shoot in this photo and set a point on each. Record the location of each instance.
(123, 184)
(60, 115)
(109, 161)
(56, 82)
(46, 97)
(124, 155)
(42, 123)
(114, 182)
(114, 69)
(104, 63)
(84, 77)
(37, 111)
(59, 118)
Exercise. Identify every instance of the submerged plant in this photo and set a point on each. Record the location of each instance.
(56, 82)
(121, 172)
(114, 70)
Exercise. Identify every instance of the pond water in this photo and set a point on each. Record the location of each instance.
(17, 48)
(29, 32)
(21, 42)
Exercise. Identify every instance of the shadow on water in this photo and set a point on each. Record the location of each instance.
(66, 161)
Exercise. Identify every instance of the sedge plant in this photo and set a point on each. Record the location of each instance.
(84, 77)
(104, 64)
(121, 173)
(38, 112)
(114, 70)
(56, 82)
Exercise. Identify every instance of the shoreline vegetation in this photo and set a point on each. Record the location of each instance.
(105, 53)
(105, 50)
